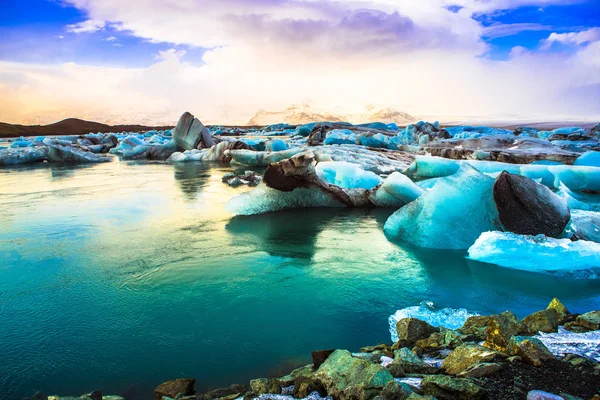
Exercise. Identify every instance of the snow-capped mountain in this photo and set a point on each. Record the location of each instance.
(303, 114)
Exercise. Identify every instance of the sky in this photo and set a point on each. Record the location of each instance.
(148, 61)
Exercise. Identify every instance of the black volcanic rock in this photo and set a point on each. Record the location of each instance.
(526, 207)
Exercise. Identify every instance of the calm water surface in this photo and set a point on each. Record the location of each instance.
(120, 276)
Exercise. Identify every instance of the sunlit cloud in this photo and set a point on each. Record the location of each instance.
(88, 26)
(427, 58)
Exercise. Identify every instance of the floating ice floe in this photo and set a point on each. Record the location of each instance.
(276, 145)
(451, 318)
(590, 159)
(379, 162)
(260, 158)
(578, 178)
(451, 215)
(347, 175)
(397, 190)
(340, 136)
(586, 225)
(263, 199)
(61, 152)
(580, 201)
(537, 253)
(25, 155)
(21, 142)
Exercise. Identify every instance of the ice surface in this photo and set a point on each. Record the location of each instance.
(537, 253)
(380, 162)
(397, 190)
(451, 215)
(186, 156)
(261, 158)
(62, 153)
(474, 132)
(276, 145)
(591, 159)
(347, 175)
(264, 199)
(21, 142)
(25, 155)
(130, 147)
(580, 201)
(340, 136)
(586, 224)
(578, 178)
(378, 141)
(564, 342)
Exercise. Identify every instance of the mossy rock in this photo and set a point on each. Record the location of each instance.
(500, 329)
(345, 377)
(448, 388)
(467, 355)
(476, 325)
(410, 363)
(530, 349)
(560, 309)
(541, 321)
(265, 386)
(175, 387)
(412, 329)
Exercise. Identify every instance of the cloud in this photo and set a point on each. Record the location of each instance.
(110, 39)
(87, 26)
(572, 38)
(422, 57)
(502, 30)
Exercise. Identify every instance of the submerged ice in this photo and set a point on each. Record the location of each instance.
(537, 253)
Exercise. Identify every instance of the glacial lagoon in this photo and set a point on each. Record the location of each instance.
(122, 275)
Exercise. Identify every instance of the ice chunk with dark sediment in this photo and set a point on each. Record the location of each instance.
(261, 158)
(190, 133)
(26, 155)
(538, 253)
(451, 215)
(59, 152)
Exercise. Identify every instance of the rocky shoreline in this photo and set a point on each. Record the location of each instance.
(489, 357)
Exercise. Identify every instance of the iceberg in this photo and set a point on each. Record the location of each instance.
(131, 146)
(347, 175)
(21, 142)
(25, 155)
(586, 225)
(450, 318)
(451, 215)
(187, 156)
(579, 201)
(396, 191)
(340, 136)
(62, 153)
(590, 159)
(378, 141)
(264, 199)
(379, 162)
(578, 178)
(536, 253)
(276, 145)
(260, 159)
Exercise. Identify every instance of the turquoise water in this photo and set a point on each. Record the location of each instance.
(120, 276)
